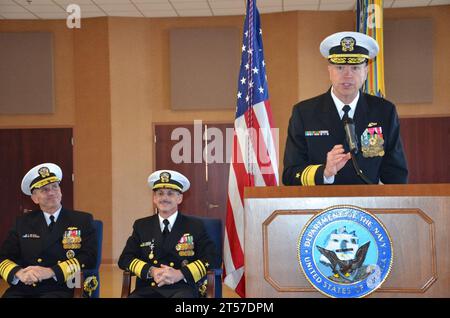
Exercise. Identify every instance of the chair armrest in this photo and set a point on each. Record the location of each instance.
(126, 284)
(214, 278)
(84, 274)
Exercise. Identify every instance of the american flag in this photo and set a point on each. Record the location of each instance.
(255, 146)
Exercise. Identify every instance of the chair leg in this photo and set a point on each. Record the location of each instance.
(211, 289)
(126, 284)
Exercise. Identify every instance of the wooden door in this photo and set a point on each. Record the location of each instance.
(209, 181)
(425, 142)
(22, 149)
(218, 173)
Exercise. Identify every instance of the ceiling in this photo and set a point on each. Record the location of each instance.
(56, 9)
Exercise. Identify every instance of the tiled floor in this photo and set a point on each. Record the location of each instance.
(111, 283)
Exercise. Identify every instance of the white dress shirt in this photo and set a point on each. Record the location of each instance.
(339, 105)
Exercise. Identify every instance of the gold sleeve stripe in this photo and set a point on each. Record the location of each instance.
(304, 173)
(197, 270)
(69, 268)
(308, 175)
(6, 267)
(136, 266)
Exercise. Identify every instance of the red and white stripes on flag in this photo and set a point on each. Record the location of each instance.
(255, 146)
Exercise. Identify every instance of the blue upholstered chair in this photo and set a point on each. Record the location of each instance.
(90, 278)
(213, 276)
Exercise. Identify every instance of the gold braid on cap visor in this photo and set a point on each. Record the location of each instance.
(167, 186)
(44, 182)
(347, 58)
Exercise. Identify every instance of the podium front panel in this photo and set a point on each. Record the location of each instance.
(418, 227)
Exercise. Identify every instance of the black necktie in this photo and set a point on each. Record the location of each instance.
(166, 228)
(346, 109)
(52, 223)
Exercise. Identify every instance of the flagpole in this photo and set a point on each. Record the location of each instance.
(253, 143)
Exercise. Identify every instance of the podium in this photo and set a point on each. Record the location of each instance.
(417, 218)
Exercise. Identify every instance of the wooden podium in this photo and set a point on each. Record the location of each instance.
(417, 218)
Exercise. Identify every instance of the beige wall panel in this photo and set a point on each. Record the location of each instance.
(440, 15)
(160, 69)
(63, 80)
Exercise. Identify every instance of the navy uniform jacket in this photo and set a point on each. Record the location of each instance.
(70, 246)
(315, 128)
(187, 247)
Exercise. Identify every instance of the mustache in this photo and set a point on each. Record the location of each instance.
(164, 201)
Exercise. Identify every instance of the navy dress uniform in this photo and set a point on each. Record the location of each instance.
(187, 247)
(315, 127)
(66, 248)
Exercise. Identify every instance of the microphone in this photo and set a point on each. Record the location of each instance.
(350, 135)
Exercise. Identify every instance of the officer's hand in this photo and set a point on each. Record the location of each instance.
(41, 273)
(170, 275)
(26, 276)
(336, 160)
(156, 273)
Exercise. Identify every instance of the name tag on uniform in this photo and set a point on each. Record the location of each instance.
(31, 236)
(313, 133)
(145, 244)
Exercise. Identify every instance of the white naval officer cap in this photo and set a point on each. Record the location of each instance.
(168, 179)
(40, 176)
(349, 48)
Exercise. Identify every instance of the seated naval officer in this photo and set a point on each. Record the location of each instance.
(169, 252)
(46, 247)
